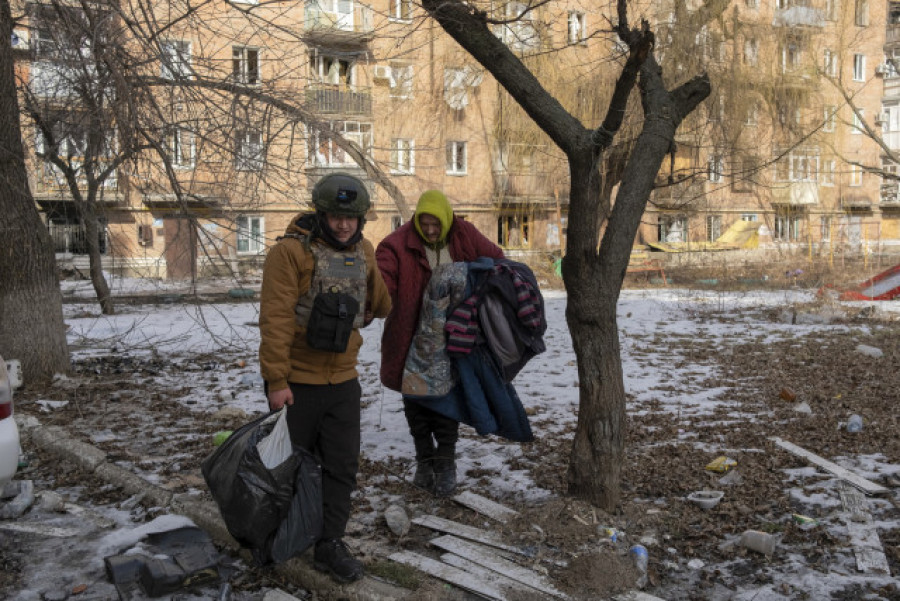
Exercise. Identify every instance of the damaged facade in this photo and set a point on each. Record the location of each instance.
(189, 134)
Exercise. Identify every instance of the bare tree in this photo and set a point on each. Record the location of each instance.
(31, 320)
(593, 277)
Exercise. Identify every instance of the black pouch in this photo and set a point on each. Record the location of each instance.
(331, 321)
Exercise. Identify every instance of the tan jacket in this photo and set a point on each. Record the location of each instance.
(283, 353)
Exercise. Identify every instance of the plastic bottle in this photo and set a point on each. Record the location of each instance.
(855, 423)
(641, 559)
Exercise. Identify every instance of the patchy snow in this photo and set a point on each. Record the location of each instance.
(220, 341)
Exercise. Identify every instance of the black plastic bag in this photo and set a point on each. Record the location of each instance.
(261, 507)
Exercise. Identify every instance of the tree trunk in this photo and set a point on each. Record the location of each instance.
(92, 240)
(32, 329)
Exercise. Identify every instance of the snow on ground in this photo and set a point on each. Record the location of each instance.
(223, 338)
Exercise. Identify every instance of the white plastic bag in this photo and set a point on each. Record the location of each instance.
(275, 448)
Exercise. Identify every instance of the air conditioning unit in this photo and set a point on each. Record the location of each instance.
(881, 70)
(20, 39)
(882, 118)
(145, 235)
(382, 72)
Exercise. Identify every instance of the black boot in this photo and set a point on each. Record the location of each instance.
(424, 477)
(444, 476)
(332, 556)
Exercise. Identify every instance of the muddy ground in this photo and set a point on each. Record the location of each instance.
(163, 439)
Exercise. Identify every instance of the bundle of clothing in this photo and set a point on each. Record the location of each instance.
(480, 323)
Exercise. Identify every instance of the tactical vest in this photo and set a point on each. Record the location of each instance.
(334, 271)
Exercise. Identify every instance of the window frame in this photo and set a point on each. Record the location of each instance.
(243, 161)
(455, 166)
(403, 156)
(397, 11)
(576, 28)
(255, 242)
(175, 143)
(859, 67)
(240, 65)
(176, 63)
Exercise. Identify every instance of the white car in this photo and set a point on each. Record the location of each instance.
(9, 432)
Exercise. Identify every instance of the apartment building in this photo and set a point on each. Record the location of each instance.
(218, 118)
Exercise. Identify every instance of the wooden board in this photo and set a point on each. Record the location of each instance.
(636, 596)
(863, 533)
(463, 531)
(41, 530)
(485, 506)
(485, 557)
(867, 486)
(448, 573)
(484, 574)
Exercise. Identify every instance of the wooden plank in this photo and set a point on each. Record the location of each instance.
(463, 531)
(867, 486)
(42, 530)
(862, 533)
(636, 596)
(485, 575)
(485, 506)
(448, 573)
(483, 556)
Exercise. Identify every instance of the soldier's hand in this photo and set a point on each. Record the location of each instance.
(280, 398)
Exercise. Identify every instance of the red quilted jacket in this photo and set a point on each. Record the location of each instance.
(404, 266)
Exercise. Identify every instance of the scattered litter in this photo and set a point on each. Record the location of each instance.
(21, 501)
(696, 564)
(47, 405)
(731, 478)
(397, 520)
(706, 499)
(721, 464)
(804, 520)
(761, 542)
(869, 351)
(803, 408)
(641, 559)
(610, 534)
(221, 436)
(788, 395)
(855, 423)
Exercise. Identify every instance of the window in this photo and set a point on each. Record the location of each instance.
(891, 62)
(401, 10)
(829, 63)
(861, 15)
(749, 217)
(519, 33)
(787, 226)
(513, 230)
(245, 65)
(713, 227)
(831, 10)
(181, 147)
(396, 222)
(456, 158)
(751, 3)
(248, 150)
(715, 168)
(829, 166)
(324, 152)
(332, 69)
(859, 67)
(799, 165)
(830, 114)
(175, 58)
(752, 116)
(857, 127)
(402, 156)
(577, 32)
(672, 228)
(751, 51)
(250, 235)
(856, 175)
(825, 228)
(791, 56)
(401, 80)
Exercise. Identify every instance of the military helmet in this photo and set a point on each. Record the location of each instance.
(341, 194)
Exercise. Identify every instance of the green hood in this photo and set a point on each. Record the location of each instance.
(433, 202)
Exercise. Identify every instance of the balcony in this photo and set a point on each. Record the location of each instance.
(526, 187)
(327, 27)
(795, 194)
(799, 16)
(890, 194)
(48, 181)
(893, 35)
(332, 99)
(678, 195)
